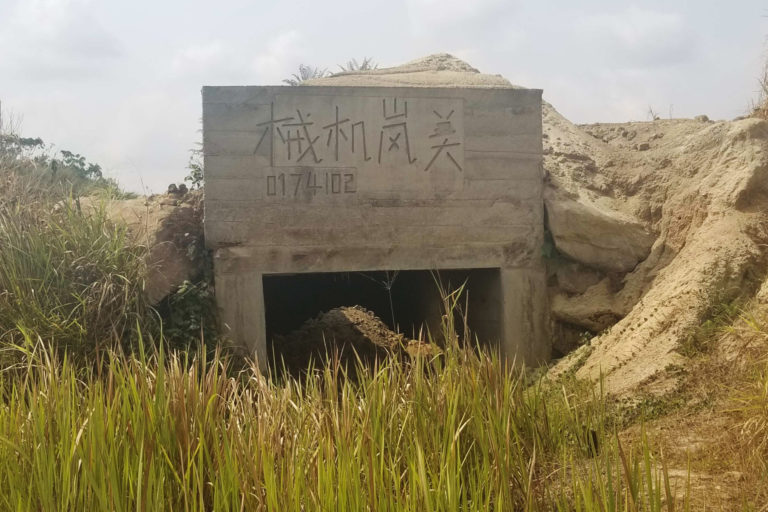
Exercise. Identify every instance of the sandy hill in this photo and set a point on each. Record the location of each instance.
(700, 189)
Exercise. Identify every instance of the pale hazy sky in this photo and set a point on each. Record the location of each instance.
(119, 81)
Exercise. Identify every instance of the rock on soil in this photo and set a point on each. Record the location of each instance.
(347, 330)
(596, 236)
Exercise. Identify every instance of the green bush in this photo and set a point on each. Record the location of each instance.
(189, 315)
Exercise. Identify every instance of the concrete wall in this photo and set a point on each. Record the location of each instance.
(337, 179)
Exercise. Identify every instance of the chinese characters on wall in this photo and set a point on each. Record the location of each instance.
(330, 142)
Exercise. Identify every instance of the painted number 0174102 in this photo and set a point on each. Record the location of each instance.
(300, 184)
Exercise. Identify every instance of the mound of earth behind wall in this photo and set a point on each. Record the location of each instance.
(171, 227)
(653, 224)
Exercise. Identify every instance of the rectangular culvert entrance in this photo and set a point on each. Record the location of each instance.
(307, 314)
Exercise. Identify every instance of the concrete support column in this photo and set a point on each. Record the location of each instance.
(525, 318)
(240, 298)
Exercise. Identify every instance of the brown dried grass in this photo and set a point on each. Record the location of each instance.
(761, 110)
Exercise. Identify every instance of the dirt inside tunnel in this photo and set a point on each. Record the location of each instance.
(309, 316)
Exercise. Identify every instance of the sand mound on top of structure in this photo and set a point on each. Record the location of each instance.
(439, 70)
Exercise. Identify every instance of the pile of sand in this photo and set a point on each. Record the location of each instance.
(439, 70)
(349, 332)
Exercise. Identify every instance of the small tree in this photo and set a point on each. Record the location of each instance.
(306, 73)
(367, 64)
(195, 166)
(77, 165)
(761, 110)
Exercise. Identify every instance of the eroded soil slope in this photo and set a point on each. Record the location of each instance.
(699, 190)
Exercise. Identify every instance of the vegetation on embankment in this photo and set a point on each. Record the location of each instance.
(67, 276)
(761, 110)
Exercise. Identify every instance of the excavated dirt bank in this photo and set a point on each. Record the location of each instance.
(693, 196)
(171, 227)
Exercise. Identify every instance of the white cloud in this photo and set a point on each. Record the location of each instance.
(44, 16)
(638, 38)
(280, 58)
(55, 39)
(199, 57)
(210, 63)
(220, 62)
(148, 138)
(439, 16)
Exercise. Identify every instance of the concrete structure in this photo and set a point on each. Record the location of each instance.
(305, 180)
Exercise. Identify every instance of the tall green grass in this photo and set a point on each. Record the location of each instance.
(163, 432)
(68, 276)
(151, 430)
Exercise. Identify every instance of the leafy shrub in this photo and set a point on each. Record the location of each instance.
(189, 315)
(195, 166)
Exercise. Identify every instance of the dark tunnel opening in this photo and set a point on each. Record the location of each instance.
(408, 301)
